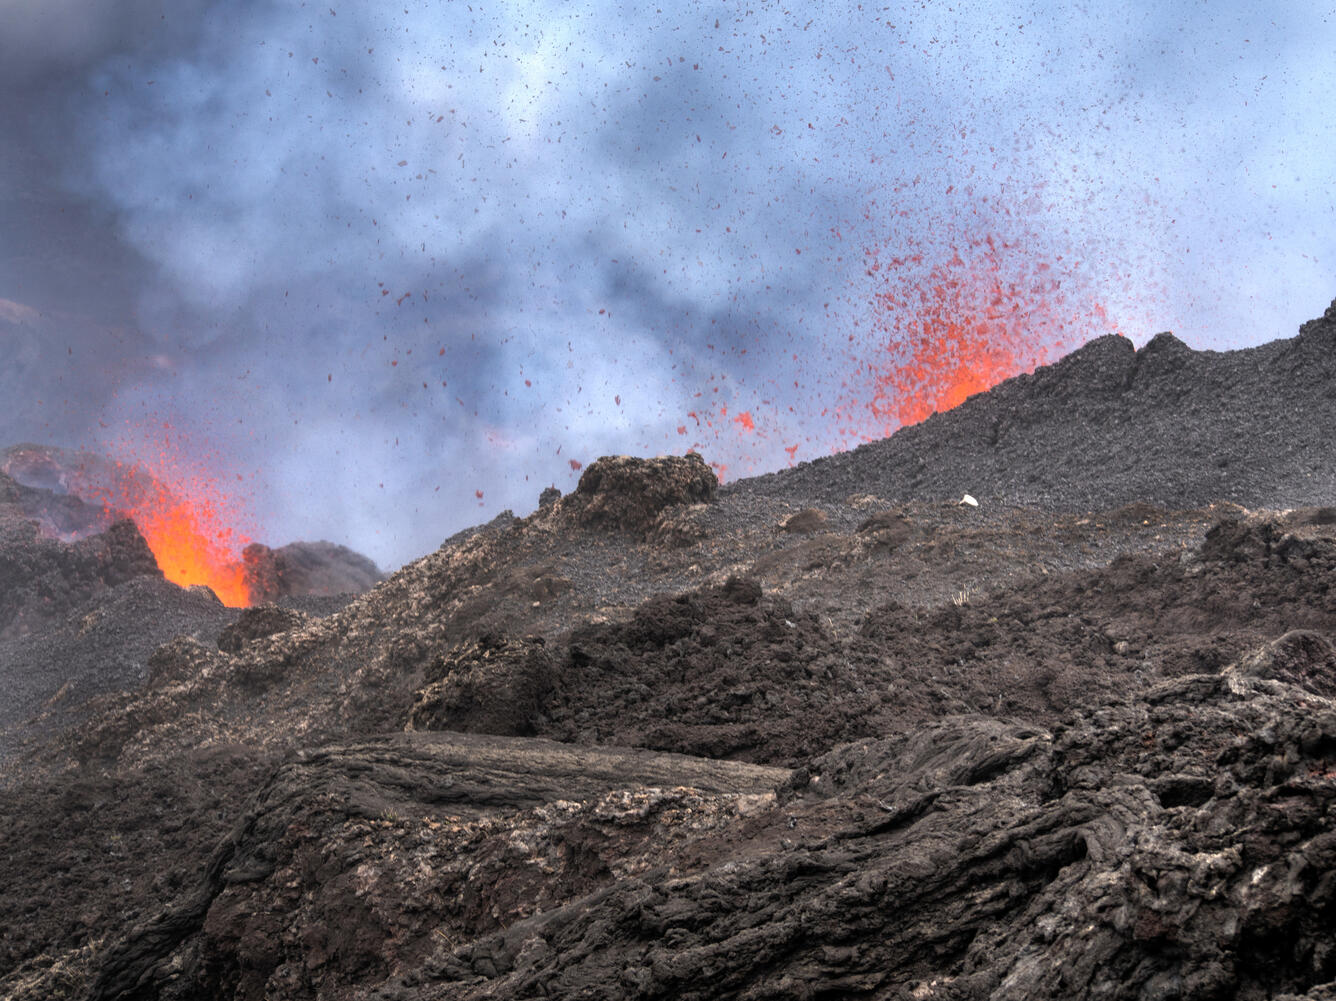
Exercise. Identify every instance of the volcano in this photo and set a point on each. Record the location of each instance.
(827, 732)
(69, 496)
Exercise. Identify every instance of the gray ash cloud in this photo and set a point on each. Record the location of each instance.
(378, 260)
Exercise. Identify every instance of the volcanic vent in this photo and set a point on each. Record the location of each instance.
(187, 525)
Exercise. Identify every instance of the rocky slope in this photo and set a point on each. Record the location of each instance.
(1111, 425)
(83, 603)
(822, 734)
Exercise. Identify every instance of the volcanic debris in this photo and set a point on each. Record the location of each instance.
(1079, 741)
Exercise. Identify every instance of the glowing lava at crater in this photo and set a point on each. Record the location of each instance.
(186, 521)
(959, 326)
(191, 543)
(186, 527)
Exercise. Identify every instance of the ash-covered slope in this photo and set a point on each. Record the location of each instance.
(56, 595)
(1109, 425)
(43, 578)
(800, 737)
(83, 603)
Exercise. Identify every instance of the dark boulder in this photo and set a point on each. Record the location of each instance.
(1301, 657)
(306, 568)
(628, 493)
(888, 529)
(259, 622)
(805, 522)
(494, 684)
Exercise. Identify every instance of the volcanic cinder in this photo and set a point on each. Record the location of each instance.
(823, 733)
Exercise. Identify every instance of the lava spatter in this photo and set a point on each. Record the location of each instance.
(192, 545)
(983, 311)
(186, 522)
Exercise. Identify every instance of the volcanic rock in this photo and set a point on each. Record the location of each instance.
(37, 491)
(805, 522)
(888, 529)
(970, 859)
(49, 483)
(1079, 741)
(286, 903)
(1301, 657)
(42, 579)
(1111, 425)
(44, 484)
(628, 493)
(259, 622)
(52, 674)
(494, 685)
(318, 569)
(679, 526)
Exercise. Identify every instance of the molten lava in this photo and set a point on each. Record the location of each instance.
(189, 535)
(191, 548)
(957, 327)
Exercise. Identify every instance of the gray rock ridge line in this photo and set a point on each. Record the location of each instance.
(1110, 424)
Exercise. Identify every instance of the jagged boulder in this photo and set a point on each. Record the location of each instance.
(306, 568)
(886, 529)
(1239, 539)
(628, 493)
(804, 522)
(1301, 657)
(258, 622)
(1296, 538)
(680, 526)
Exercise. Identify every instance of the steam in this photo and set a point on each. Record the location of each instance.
(397, 267)
(57, 36)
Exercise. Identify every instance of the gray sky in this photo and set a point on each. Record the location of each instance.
(361, 262)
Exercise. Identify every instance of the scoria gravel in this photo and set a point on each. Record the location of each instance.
(825, 733)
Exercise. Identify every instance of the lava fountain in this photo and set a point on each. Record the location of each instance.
(983, 311)
(186, 520)
(189, 538)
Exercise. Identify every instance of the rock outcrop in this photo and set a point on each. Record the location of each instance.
(301, 569)
(1110, 425)
(43, 579)
(1178, 844)
(629, 493)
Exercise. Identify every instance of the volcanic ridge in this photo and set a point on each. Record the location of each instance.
(828, 732)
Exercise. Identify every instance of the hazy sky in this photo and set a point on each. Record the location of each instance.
(386, 269)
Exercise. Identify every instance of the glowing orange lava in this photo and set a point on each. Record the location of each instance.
(189, 535)
(190, 547)
(957, 327)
